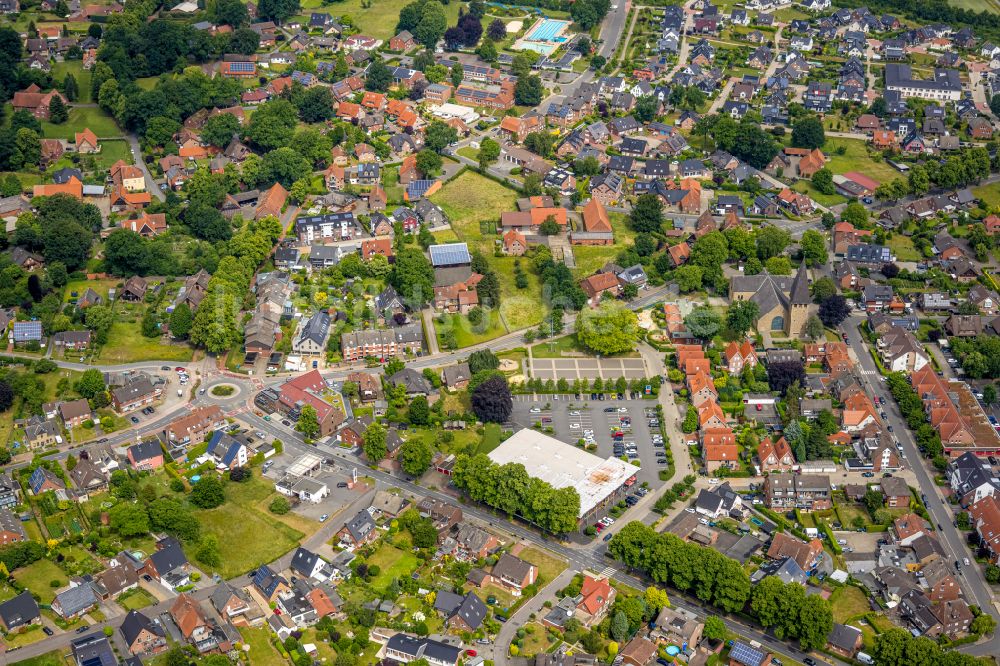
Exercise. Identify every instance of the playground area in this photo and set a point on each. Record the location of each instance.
(545, 36)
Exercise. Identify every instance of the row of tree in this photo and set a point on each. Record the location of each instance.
(509, 488)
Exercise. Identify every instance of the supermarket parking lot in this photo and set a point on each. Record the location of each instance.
(571, 419)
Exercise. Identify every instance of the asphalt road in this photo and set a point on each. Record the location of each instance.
(977, 590)
(589, 558)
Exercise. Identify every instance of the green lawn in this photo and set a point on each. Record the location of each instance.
(247, 538)
(261, 652)
(856, 158)
(99, 123)
(80, 286)
(902, 247)
(556, 348)
(33, 635)
(83, 77)
(113, 150)
(465, 334)
(27, 179)
(548, 565)
(393, 563)
(988, 194)
(806, 187)
(521, 308)
(37, 576)
(53, 658)
(136, 599)
(589, 258)
(976, 5)
(471, 199)
(848, 602)
(376, 19)
(127, 345)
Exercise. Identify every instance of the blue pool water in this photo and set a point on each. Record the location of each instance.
(673, 650)
(196, 478)
(547, 30)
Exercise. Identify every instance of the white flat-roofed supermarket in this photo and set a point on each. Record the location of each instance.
(563, 465)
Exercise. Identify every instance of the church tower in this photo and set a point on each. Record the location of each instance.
(798, 302)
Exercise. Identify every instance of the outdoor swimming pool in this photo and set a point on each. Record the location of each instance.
(547, 30)
(544, 37)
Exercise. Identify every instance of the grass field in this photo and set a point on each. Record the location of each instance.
(393, 563)
(127, 345)
(465, 335)
(856, 158)
(988, 194)
(136, 599)
(113, 150)
(99, 123)
(976, 5)
(556, 348)
(806, 187)
(248, 535)
(37, 576)
(548, 566)
(469, 200)
(902, 247)
(82, 76)
(848, 602)
(589, 258)
(53, 658)
(80, 286)
(378, 19)
(247, 538)
(261, 651)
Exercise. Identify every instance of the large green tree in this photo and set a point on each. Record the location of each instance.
(610, 328)
(415, 456)
(808, 133)
(374, 442)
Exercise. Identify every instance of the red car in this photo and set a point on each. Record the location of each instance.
(471, 653)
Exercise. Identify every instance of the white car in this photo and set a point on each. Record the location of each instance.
(536, 410)
(575, 412)
(574, 425)
(713, 482)
(622, 410)
(689, 510)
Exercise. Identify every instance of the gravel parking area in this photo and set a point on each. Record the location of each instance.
(571, 419)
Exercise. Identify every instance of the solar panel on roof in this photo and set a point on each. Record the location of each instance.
(450, 254)
(745, 654)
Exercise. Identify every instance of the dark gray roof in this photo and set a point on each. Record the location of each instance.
(75, 600)
(472, 611)
(360, 525)
(304, 561)
(414, 381)
(168, 558)
(424, 648)
(135, 622)
(317, 328)
(19, 611)
(93, 650)
(799, 294)
(844, 637)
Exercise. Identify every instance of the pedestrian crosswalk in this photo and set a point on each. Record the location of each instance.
(870, 373)
(608, 572)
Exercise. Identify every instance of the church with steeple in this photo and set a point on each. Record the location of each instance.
(783, 301)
